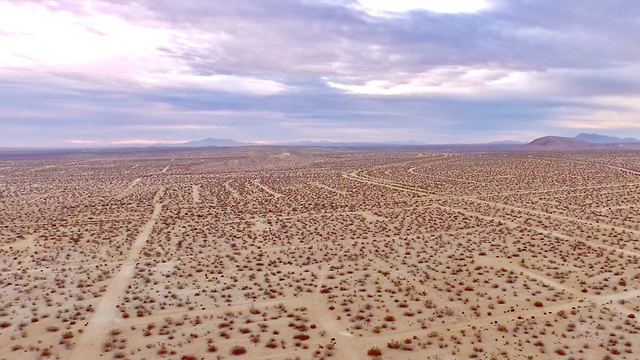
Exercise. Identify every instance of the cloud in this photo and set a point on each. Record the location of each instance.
(226, 83)
(289, 69)
(83, 142)
(609, 113)
(443, 81)
(91, 46)
(178, 127)
(387, 7)
(52, 39)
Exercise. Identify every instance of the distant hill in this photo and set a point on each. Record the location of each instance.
(603, 139)
(208, 142)
(560, 143)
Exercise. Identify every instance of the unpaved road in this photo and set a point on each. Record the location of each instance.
(322, 186)
(355, 176)
(26, 243)
(126, 191)
(234, 192)
(106, 315)
(195, 189)
(598, 300)
(267, 189)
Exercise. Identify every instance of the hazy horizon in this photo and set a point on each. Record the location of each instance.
(105, 73)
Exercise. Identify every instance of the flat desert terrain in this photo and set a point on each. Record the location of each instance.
(308, 253)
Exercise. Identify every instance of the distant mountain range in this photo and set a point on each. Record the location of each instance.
(603, 139)
(581, 141)
(211, 142)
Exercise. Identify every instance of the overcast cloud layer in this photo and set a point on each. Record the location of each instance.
(125, 72)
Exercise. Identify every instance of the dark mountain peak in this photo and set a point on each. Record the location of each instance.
(559, 143)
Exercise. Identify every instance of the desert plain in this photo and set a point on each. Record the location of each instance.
(319, 253)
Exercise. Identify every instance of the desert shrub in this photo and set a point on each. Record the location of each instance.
(393, 344)
(301, 337)
(238, 350)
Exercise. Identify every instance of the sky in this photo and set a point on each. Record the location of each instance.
(129, 72)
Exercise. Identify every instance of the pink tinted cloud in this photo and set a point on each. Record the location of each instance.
(82, 142)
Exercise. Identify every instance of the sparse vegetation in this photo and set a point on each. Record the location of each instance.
(461, 256)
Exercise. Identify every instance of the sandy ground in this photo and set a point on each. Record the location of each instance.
(253, 254)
